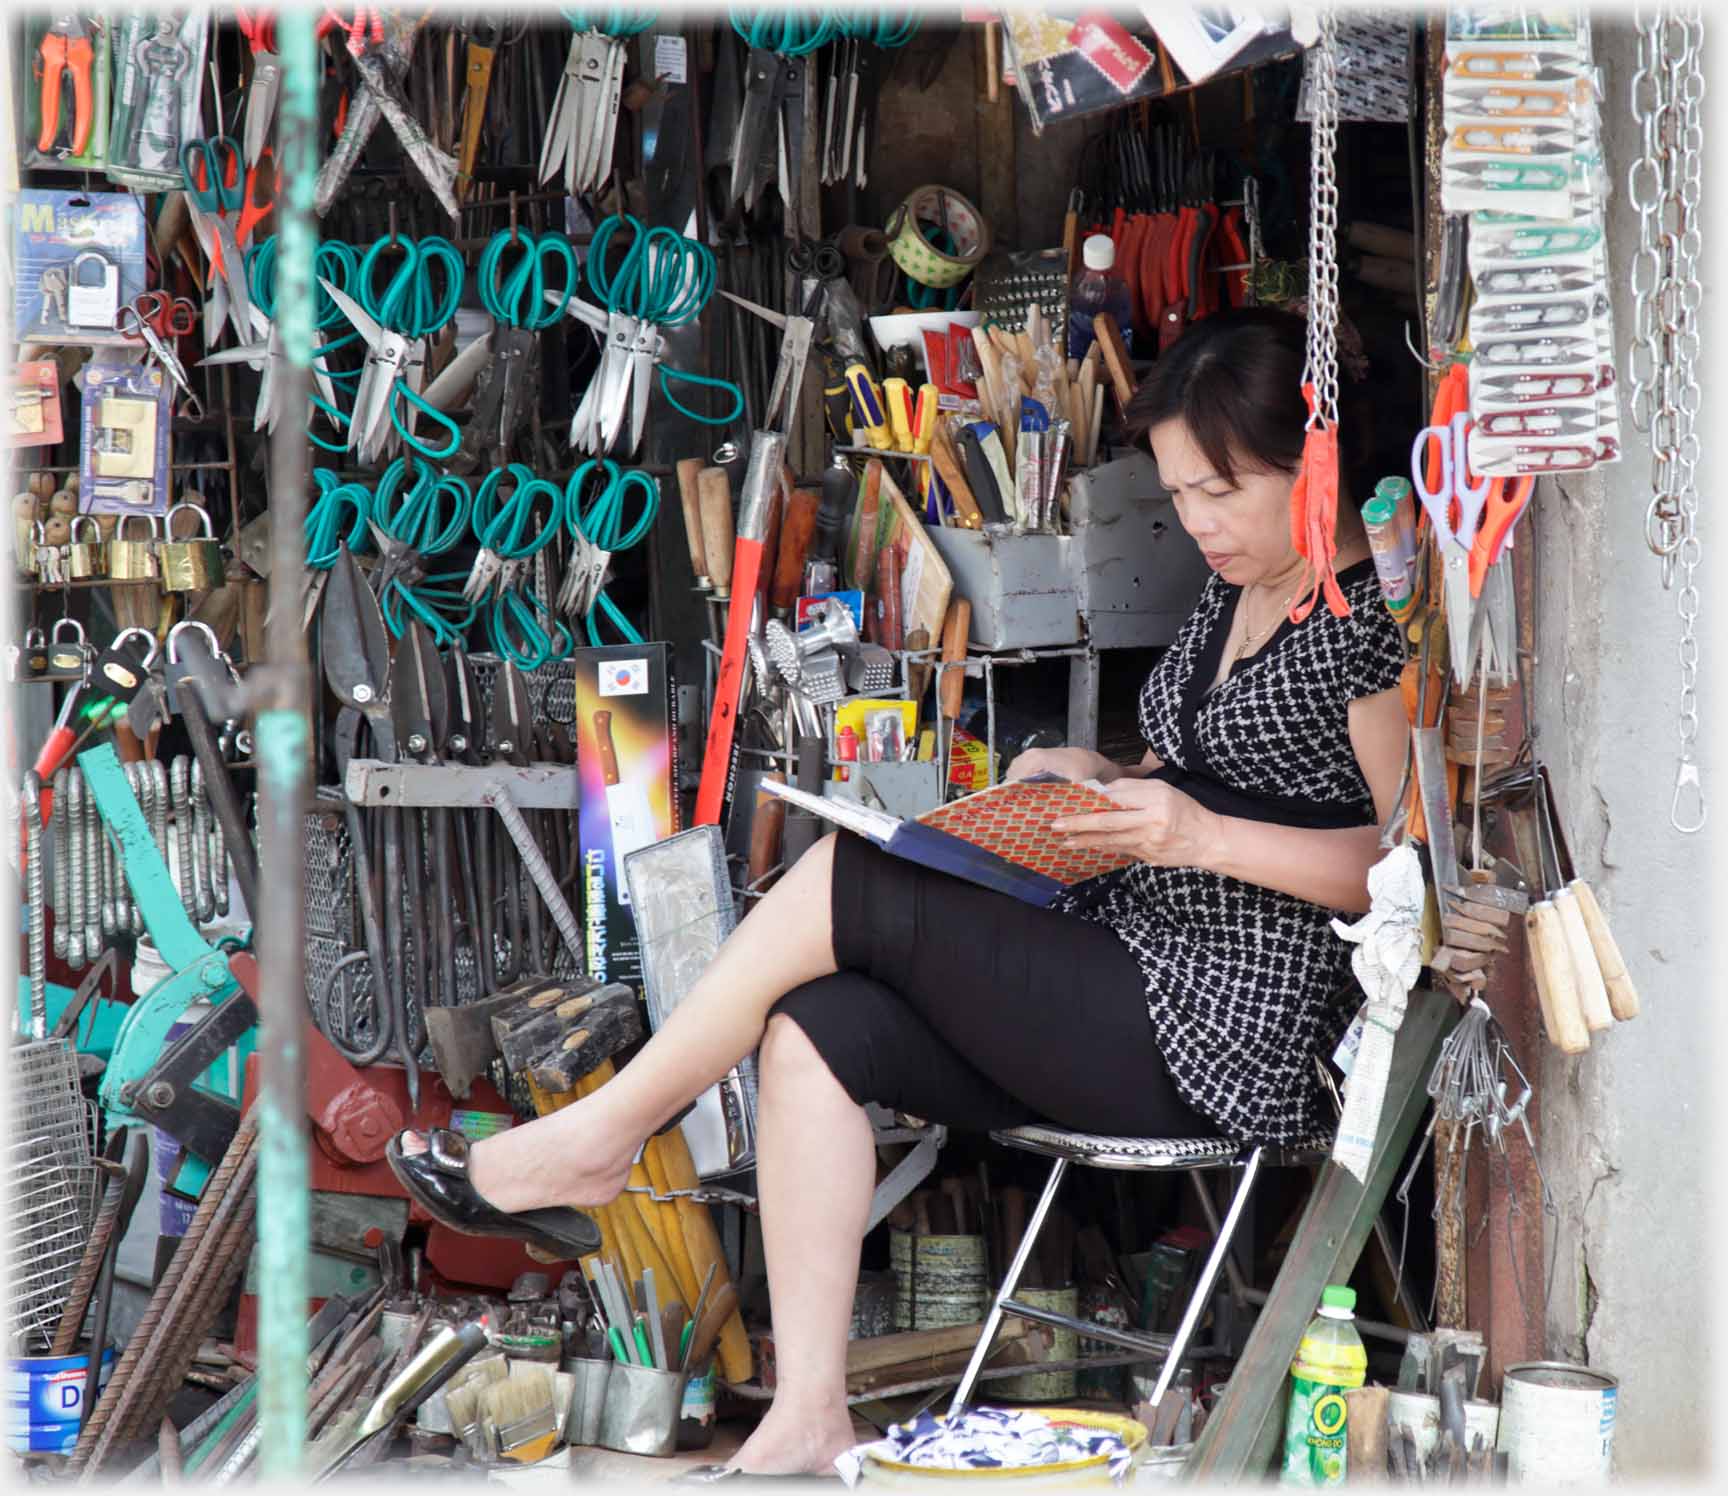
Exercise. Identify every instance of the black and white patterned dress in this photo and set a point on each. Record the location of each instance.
(1242, 982)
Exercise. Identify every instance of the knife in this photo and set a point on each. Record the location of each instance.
(626, 804)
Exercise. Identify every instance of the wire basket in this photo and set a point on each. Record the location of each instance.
(53, 1185)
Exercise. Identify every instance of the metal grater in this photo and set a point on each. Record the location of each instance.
(1007, 284)
(869, 669)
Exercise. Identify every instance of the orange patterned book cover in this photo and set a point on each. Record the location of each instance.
(1012, 821)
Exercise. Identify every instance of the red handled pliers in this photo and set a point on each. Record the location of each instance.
(65, 48)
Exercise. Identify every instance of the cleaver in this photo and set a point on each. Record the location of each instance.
(626, 805)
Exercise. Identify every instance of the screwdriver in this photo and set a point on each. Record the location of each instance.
(867, 406)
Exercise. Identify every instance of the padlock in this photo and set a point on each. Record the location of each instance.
(87, 558)
(195, 564)
(120, 671)
(92, 302)
(134, 560)
(68, 656)
(32, 659)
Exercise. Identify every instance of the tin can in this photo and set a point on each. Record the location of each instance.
(45, 1397)
(938, 1280)
(1557, 1423)
(1047, 1386)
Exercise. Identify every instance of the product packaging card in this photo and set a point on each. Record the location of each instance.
(626, 749)
(79, 258)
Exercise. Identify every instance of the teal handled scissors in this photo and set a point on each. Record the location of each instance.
(215, 175)
(662, 280)
(335, 263)
(511, 530)
(396, 323)
(430, 517)
(335, 520)
(525, 631)
(515, 294)
(601, 523)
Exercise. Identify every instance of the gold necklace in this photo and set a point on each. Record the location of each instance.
(1248, 639)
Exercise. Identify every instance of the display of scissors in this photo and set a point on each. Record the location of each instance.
(155, 319)
(511, 529)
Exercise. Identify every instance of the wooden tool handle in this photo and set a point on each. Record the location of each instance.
(714, 493)
(1622, 995)
(888, 630)
(771, 536)
(1115, 354)
(955, 629)
(766, 825)
(722, 1305)
(955, 1190)
(689, 472)
(1555, 987)
(948, 469)
(796, 532)
(1592, 993)
(869, 514)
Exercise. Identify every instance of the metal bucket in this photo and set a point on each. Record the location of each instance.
(1047, 1386)
(1557, 1423)
(939, 1280)
(46, 1400)
(872, 1305)
(640, 1412)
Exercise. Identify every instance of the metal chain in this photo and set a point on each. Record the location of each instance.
(1320, 368)
(1664, 185)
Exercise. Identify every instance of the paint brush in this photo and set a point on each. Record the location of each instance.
(520, 1408)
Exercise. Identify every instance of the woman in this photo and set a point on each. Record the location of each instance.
(1182, 997)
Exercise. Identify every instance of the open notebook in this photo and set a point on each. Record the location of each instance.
(999, 838)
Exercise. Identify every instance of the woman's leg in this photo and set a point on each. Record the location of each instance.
(581, 1155)
(815, 1172)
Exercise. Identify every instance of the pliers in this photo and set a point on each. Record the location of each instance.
(65, 48)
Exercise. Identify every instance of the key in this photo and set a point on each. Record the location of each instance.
(52, 285)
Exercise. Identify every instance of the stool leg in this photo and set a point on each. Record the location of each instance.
(1208, 1276)
(1022, 1255)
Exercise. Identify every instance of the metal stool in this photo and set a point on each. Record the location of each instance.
(1189, 1155)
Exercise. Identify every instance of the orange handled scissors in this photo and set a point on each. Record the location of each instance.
(1507, 500)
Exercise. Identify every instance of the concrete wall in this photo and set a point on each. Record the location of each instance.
(1626, 1125)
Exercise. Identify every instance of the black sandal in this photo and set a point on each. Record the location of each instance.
(438, 1180)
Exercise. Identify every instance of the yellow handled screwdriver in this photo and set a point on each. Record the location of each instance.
(868, 407)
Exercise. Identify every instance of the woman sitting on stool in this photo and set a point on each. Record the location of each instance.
(1184, 996)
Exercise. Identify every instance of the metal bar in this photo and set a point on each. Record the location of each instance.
(1022, 1255)
(460, 786)
(284, 757)
(1148, 1345)
(1377, 1328)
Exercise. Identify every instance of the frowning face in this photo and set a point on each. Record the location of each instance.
(1242, 523)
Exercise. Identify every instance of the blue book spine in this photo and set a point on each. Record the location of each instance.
(931, 848)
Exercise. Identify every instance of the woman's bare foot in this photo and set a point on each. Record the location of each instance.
(535, 1165)
(793, 1441)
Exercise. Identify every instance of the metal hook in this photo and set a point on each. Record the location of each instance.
(394, 241)
(1432, 368)
(515, 237)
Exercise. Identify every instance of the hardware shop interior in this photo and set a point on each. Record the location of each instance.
(887, 744)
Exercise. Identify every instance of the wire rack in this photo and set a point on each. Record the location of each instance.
(333, 923)
(53, 1184)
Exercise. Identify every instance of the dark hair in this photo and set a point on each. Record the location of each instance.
(1235, 381)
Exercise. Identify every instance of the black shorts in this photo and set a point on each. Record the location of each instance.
(969, 1008)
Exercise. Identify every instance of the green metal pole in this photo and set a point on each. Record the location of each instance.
(284, 769)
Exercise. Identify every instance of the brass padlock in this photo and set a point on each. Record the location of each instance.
(191, 565)
(133, 560)
(86, 558)
(33, 661)
(68, 656)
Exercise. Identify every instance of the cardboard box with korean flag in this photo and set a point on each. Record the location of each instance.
(626, 750)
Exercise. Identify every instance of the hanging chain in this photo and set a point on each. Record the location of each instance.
(1664, 186)
(1321, 366)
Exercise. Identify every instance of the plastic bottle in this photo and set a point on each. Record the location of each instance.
(1394, 550)
(1099, 289)
(1329, 1362)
